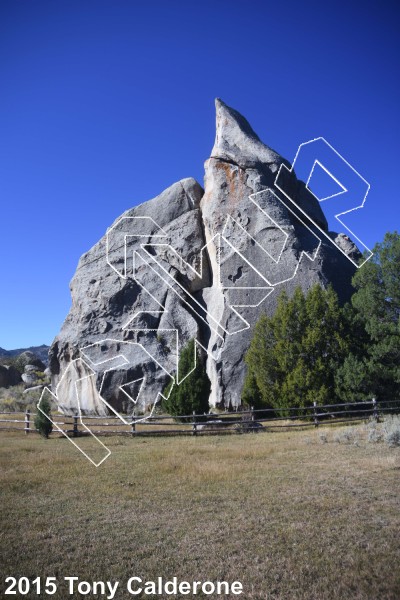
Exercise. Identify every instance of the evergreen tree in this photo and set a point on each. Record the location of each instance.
(375, 360)
(251, 395)
(313, 350)
(193, 392)
(352, 380)
(42, 423)
(294, 354)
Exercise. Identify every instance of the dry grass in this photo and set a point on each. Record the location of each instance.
(288, 516)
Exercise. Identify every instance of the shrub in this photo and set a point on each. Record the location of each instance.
(392, 431)
(42, 423)
(13, 399)
(374, 434)
(348, 436)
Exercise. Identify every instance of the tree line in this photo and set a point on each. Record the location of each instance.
(314, 350)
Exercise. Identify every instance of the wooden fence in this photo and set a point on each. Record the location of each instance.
(241, 421)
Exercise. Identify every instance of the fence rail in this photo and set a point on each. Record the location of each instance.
(240, 421)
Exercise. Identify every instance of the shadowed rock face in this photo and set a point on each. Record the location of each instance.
(158, 285)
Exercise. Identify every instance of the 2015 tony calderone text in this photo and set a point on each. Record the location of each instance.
(135, 586)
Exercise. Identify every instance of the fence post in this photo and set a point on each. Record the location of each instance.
(252, 412)
(133, 425)
(375, 409)
(27, 421)
(315, 414)
(75, 434)
(194, 424)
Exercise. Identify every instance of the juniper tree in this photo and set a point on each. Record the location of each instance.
(373, 367)
(192, 394)
(42, 423)
(294, 354)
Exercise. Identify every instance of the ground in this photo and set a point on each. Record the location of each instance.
(289, 516)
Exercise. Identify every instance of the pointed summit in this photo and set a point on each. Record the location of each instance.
(236, 142)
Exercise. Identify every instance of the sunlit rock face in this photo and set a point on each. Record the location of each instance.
(192, 263)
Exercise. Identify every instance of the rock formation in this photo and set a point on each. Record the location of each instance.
(23, 368)
(9, 376)
(192, 263)
(30, 359)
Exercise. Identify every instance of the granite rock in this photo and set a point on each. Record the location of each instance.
(9, 376)
(192, 263)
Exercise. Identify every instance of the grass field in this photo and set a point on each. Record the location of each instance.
(288, 516)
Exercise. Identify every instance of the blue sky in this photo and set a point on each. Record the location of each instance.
(103, 104)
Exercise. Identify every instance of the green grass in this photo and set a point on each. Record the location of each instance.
(288, 516)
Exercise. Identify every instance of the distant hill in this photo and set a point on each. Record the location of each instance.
(41, 352)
